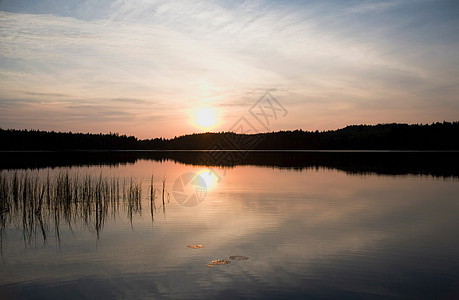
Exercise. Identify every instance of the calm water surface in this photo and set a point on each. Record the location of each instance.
(316, 232)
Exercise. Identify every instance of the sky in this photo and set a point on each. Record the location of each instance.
(150, 68)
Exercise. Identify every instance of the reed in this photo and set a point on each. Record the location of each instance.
(40, 204)
(152, 198)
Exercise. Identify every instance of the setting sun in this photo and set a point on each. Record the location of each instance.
(205, 117)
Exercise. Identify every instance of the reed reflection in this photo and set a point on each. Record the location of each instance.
(165, 197)
(39, 205)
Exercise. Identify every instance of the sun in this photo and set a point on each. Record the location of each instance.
(205, 117)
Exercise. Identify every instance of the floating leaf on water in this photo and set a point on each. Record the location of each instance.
(238, 257)
(219, 262)
(195, 246)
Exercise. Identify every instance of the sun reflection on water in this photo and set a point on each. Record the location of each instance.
(209, 177)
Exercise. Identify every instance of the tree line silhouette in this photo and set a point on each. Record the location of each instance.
(395, 136)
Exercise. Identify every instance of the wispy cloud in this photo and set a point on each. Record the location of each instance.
(129, 100)
(45, 94)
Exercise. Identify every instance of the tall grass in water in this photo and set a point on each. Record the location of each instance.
(161, 206)
(41, 204)
(152, 199)
(134, 196)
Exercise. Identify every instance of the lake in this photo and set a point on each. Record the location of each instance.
(188, 225)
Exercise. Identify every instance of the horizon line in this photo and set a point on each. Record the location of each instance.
(220, 132)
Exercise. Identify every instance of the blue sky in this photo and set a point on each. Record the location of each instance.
(144, 67)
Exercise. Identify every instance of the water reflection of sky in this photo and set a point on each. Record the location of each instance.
(319, 232)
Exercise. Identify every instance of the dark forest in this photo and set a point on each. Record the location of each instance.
(435, 136)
